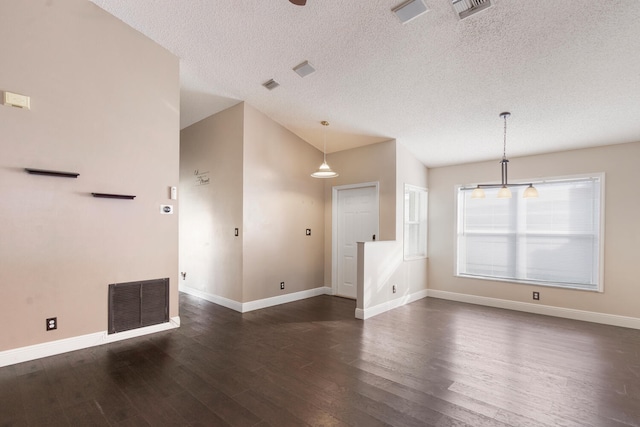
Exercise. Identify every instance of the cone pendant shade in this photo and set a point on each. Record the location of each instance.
(324, 171)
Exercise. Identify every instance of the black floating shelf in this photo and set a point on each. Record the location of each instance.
(113, 196)
(51, 173)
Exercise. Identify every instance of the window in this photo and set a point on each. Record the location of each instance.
(415, 222)
(554, 240)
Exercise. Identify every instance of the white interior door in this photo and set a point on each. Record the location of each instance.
(357, 221)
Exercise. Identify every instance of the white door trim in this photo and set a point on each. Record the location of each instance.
(334, 228)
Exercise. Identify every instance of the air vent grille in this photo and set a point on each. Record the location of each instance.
(137, 304)
(466, 8)
(304, 69)
(271, 84)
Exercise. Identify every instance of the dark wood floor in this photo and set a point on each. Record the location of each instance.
(432, 362)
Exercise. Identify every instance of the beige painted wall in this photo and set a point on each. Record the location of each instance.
(260, 183)
(364, 164)
(210, 253)
(281, 200)
(105, 104)
(382, 264)
(622, 228)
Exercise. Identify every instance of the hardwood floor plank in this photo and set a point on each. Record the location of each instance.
(84, 414)
(192, 410)
(269, 413)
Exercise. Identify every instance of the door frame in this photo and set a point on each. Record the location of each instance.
(334, 225)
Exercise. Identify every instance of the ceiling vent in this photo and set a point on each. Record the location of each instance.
(466, 8)
(271, 84)
(304, 69)
(409, 10)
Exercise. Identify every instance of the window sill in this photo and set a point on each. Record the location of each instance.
(532, 282)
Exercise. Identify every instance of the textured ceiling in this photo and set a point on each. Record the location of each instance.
(568, 71)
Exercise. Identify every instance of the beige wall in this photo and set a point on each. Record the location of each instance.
(381, 264)
(105, 103)
(372, 163)
(260, 183)
(622, 228)
(281, 200)
(210, 253)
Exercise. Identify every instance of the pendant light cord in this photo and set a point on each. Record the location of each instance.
(504, 146)
(324, 145)
(324, 139)
(503, 163)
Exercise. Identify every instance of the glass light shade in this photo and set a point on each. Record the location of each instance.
(530, 192)
(324, 171)
(504, 193)
(478, 193)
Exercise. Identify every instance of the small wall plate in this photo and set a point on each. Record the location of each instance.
(166, 209)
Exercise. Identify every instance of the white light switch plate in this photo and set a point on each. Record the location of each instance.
(16, 100)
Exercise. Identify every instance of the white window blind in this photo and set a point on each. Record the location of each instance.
(415, 222)
(552, 240)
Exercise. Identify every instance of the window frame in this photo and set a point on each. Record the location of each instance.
(423, 223)
(599, 287)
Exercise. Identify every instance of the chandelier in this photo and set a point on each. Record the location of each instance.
(504, 192)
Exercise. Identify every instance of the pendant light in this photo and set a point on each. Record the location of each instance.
(504, 192)
(324, 171)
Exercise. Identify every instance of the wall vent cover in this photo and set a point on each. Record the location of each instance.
(137, 304)
(466, 8)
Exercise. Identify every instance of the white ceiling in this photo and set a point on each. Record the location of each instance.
(567, 70)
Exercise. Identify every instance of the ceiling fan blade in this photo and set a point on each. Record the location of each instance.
(299, 2)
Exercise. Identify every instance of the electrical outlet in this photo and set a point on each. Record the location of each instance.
(308, 232)
(184, 275)
(394, 289)
(52, 323)
(281, 285)
(536, 296)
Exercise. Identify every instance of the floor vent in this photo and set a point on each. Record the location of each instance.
(466, 8)
(137, 304)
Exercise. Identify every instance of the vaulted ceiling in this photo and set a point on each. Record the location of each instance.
(568, 71)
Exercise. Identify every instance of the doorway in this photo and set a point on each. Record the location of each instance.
(355, 219)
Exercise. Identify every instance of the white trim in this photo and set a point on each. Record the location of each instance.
(37, 351)
(411, 187)
(390, 305)
(547, 310)
(225, 302)
(334, 225)
(283, 299)
(257, 304)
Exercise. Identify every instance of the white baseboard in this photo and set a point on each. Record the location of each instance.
(567, 313)
(37, 351)
(225, 302)
(389, 305)
(283, 299)
(257, 304)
